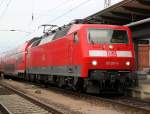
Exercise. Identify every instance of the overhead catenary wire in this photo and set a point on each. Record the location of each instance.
(5, 9)
(70, 10)
(2, 3)
(62, 4)
(65, 13)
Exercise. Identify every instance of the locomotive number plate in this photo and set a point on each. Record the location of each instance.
(112, 53)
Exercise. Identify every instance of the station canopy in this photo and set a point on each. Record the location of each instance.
(132, 13)
(122, 13)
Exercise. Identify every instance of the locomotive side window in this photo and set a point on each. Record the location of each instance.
(75, 37)
(107, 36)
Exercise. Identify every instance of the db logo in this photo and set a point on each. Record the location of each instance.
(112, 53)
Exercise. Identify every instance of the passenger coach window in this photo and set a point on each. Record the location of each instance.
(107, 36)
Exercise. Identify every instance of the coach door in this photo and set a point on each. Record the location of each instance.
(143, 57)
(27, 61)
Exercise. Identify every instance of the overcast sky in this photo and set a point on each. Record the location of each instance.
(17, 15)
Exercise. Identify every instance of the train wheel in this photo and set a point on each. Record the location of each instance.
(61, 82)
(27, 77)
(78, 84)
(92, 86)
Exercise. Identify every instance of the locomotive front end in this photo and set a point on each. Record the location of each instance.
(111, 59)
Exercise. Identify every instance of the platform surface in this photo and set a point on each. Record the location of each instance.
(143, 89)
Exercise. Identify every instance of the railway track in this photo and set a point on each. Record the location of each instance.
(20, 103)
(4, 110)
(123, 101)
(135, 103)
(119, 102)
(132, 103)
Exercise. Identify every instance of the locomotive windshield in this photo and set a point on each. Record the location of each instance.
(107, 36)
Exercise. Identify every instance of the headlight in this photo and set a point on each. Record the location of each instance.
(128, 63)
(94, 62)
(110, 47)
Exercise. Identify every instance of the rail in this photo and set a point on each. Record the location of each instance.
(4, 110)
(39, 103)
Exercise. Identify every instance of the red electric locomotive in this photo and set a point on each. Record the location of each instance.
(90, 57)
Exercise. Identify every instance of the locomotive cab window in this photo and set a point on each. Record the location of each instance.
(107, 36)
(36, 43)
(119, 36)
(75, 37)
(47, 39)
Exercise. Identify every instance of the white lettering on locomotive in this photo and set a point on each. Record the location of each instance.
(103, 53)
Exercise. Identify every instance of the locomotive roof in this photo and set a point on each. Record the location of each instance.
(67, 29)
(76, 27)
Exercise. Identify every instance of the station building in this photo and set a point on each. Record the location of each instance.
(136, 15)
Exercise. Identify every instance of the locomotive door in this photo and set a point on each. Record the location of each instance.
(70, 53)
(143, 56)
(27, 61)
(72, 47)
